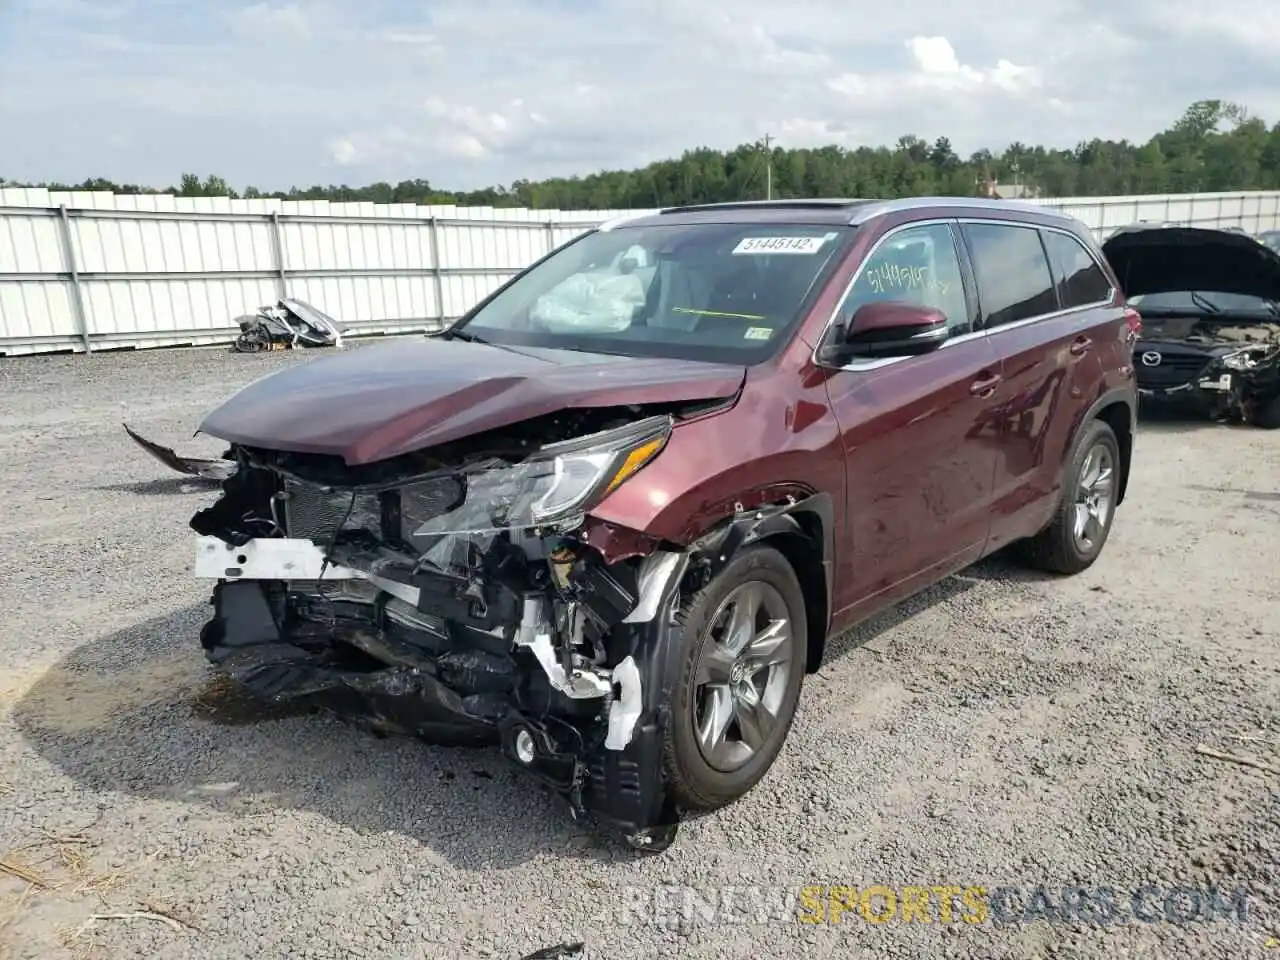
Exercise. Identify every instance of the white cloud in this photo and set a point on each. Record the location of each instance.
(936, 56)
(937, 72)
(344, 151)
(937, 60)
(283, 21)
(284, 92)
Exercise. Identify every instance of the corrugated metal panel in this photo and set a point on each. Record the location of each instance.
(1254, 211)
(162, 270)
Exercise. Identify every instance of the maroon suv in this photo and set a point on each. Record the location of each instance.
(609, 518)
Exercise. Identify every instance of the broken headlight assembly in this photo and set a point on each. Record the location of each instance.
(555, 486)
(1241, 359)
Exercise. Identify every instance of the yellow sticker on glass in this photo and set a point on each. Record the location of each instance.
(758, 333)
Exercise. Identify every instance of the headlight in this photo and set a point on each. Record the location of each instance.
(1241, 360)
(559, 482)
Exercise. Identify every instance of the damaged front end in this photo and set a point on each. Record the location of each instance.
(1230, 369)
(454, 595)
(1248, 374)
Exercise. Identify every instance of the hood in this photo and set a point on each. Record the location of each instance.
(1172, 259)
(374, 403)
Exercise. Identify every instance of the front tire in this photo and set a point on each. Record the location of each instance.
(744, 649)
(1074, 539)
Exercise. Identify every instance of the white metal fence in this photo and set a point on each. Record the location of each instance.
(91, 271)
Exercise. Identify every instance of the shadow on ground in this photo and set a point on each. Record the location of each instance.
(856, 637)
(1006, 565)
(139, 711)
(164, 487)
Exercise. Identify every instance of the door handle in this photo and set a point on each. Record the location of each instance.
(985, 385)
(1080, 346)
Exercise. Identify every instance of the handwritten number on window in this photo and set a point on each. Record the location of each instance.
(887, 277)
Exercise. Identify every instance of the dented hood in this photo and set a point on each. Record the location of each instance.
(1173, 259)
(373, 403)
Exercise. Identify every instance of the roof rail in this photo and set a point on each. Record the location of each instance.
(864, 213)
(802, 204)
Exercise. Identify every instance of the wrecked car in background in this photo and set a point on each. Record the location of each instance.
(288, 324)
(608, 522)
(1210, 307)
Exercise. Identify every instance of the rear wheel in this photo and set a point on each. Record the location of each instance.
(743, 659)
(1079, 529)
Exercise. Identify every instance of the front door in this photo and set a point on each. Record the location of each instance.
(919, 471)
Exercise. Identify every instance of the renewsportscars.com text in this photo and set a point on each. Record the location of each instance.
(677, 905)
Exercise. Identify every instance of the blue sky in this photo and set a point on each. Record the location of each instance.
(467, 93)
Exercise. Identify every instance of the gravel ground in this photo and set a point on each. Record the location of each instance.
(1001, 730)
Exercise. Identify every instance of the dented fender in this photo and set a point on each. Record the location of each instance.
(807, 527)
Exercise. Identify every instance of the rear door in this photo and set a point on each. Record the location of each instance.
(919, 490)
(1044, 300)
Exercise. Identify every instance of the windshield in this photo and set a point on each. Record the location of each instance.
(1203, 301)
(723, 292)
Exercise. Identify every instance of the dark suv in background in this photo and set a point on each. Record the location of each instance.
(609, 518)
(1210, 306)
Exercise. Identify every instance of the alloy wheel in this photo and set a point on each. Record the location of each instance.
(742, 675)
(1094, 498)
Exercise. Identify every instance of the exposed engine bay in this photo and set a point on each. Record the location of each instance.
(455, 595)
(1211, 332)
(1240, 369)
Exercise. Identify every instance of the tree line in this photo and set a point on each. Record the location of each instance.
(1215, 145)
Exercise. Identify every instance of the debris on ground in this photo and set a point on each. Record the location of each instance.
(1233, 758)
(287, 324)
(559, 952)
(135, 915)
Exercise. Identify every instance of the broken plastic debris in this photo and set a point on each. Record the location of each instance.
(192, 466)
(561, 951)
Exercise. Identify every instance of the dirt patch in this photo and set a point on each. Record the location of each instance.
(63, 700)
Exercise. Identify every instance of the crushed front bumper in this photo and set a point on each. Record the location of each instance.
(1222, 387)
(395, 654)
(1213, 384)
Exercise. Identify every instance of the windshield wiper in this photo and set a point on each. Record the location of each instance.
(473, 338)
(1208, 306)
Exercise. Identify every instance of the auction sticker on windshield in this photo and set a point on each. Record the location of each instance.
(780, 245)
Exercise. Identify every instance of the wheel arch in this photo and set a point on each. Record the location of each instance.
(1118, 409)
(803, 531)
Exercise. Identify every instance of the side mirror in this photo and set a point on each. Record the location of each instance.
(891, 328)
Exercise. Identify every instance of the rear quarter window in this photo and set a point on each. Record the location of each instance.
(1080, 280)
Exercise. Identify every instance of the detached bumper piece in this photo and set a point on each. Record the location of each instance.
(192, 466)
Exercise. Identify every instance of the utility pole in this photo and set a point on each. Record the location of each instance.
(768, 169)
